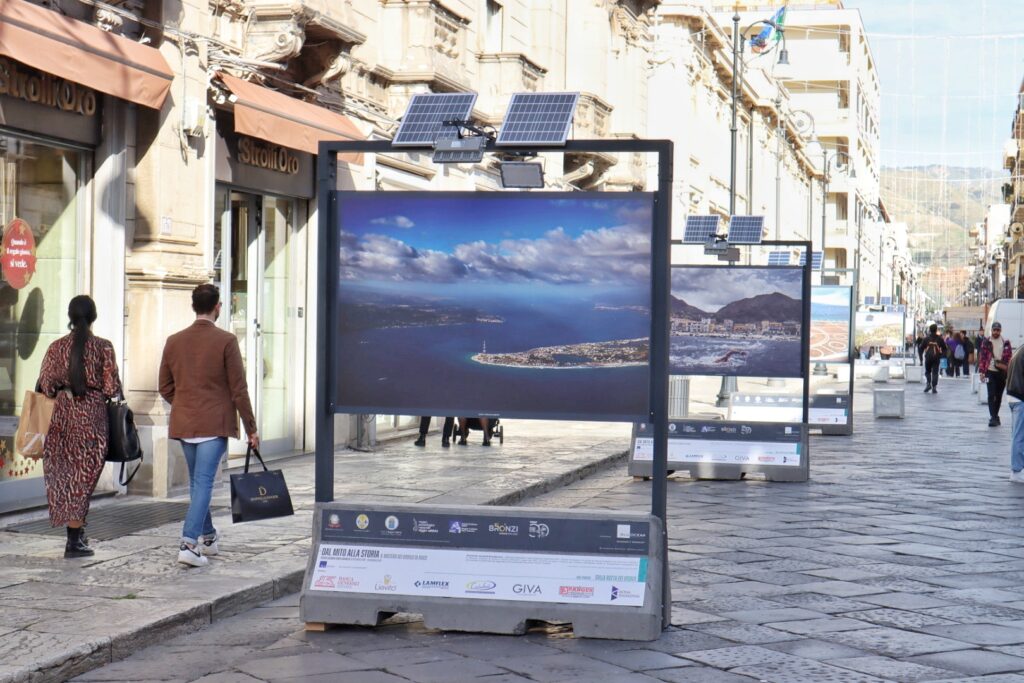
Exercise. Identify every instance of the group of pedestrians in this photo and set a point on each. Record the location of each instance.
(202, 376)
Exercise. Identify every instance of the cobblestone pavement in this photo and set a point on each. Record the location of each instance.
(60, 618)
(901, 560)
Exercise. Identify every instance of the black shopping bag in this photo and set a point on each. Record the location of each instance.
(259, 495)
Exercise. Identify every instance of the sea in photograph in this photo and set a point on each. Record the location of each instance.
(735, 356)
(420, 368)
(829, 313)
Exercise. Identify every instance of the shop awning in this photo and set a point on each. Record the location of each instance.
(82, 53)
(275, 117)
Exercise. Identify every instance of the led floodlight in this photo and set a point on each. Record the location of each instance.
(522, 174)
(459, 150)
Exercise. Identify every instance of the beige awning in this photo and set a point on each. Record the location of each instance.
(275, 117)
(82, 53)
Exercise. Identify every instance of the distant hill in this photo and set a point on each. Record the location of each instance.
(939, 204)
(775, 306)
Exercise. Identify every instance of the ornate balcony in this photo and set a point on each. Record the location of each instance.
(428, 45)
(502, 74)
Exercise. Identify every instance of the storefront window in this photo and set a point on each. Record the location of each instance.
(38, 193)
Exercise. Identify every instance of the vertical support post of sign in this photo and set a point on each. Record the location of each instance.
(660, 286)
(805, 334)
(326, 175)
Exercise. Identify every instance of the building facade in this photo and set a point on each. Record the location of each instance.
(197, 165)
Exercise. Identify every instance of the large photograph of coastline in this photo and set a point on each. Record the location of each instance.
(738, 321)
(830, 323)
(520, 305)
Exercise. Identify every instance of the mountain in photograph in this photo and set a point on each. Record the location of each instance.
(775, 306)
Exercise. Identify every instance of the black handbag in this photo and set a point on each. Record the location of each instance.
(123, 438)
(259, 495)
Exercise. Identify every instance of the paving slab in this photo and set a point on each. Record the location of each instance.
(974, 662)
(133, 593)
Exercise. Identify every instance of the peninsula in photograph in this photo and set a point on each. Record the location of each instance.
(736, 321)
(530, 304)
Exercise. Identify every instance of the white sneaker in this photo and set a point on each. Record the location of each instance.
(208, 546)
(190, 555)
(1017, 477)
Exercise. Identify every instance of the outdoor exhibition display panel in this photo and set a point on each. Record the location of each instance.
(831, 345)
(884, 331)
(487, 569)
(534, 305)
(718, 449)
(745, 322)
(825, 409)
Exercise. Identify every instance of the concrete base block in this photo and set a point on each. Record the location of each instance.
(889, 403)
(320, 605)
(914, 373)
(881, 374)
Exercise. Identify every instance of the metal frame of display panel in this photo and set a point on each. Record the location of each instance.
(327, 308)
(847, 429)
(726, 470)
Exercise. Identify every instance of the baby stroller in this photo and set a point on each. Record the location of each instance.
(494, 428)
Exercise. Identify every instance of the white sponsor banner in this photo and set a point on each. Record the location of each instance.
(732, 452)
(768, 413)
(485, 575)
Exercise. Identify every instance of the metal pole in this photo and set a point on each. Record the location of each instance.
(878, 291)
(824, 201)
(778, 170)
(327, 170)
(729, 383)
(733, 129)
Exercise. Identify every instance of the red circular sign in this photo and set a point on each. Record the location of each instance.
(18, 253)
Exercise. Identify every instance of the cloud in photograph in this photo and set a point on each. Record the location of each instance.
(709, 289)
(615, 254)
(395, 222)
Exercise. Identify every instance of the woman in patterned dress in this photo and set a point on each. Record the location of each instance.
(80, 371)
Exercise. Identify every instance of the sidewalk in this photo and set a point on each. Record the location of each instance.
(60, 618)
(902, 559)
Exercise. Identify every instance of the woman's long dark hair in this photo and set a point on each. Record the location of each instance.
(81, 316)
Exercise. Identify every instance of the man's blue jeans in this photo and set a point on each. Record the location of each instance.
(1017, 437)
(203, 460)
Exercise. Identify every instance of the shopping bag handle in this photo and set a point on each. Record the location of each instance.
(250, 451)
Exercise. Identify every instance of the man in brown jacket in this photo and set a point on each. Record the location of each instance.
(203, 378)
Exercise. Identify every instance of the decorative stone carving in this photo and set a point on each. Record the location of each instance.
(278, 43)
(335, 69)
(108, 20)
(447, 33)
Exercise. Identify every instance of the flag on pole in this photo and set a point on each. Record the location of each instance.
(769, 33)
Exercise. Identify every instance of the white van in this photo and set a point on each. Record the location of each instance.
(1010, 314)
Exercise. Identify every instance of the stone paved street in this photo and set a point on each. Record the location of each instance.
(901, 560)
(60, 618)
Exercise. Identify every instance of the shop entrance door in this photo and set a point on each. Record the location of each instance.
(255, 264)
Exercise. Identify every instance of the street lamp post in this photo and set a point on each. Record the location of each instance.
(729, 383)
(842, 160)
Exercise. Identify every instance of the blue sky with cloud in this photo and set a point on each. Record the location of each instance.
(490, 237)
(949, 71)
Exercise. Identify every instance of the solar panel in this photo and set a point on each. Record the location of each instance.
(423, 122)
(778, 258)
(869, 301)
(700, 228)
(886, 300)
(746, 229)
(540, 118)
(816, 259)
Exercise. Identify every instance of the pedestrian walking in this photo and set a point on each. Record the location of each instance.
(968, 345)
(950, 360)
(80, 371)
(203, 378)
(1015, 390)
(959, 354)
(446, 432)
(933, 348)
(994, 358)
